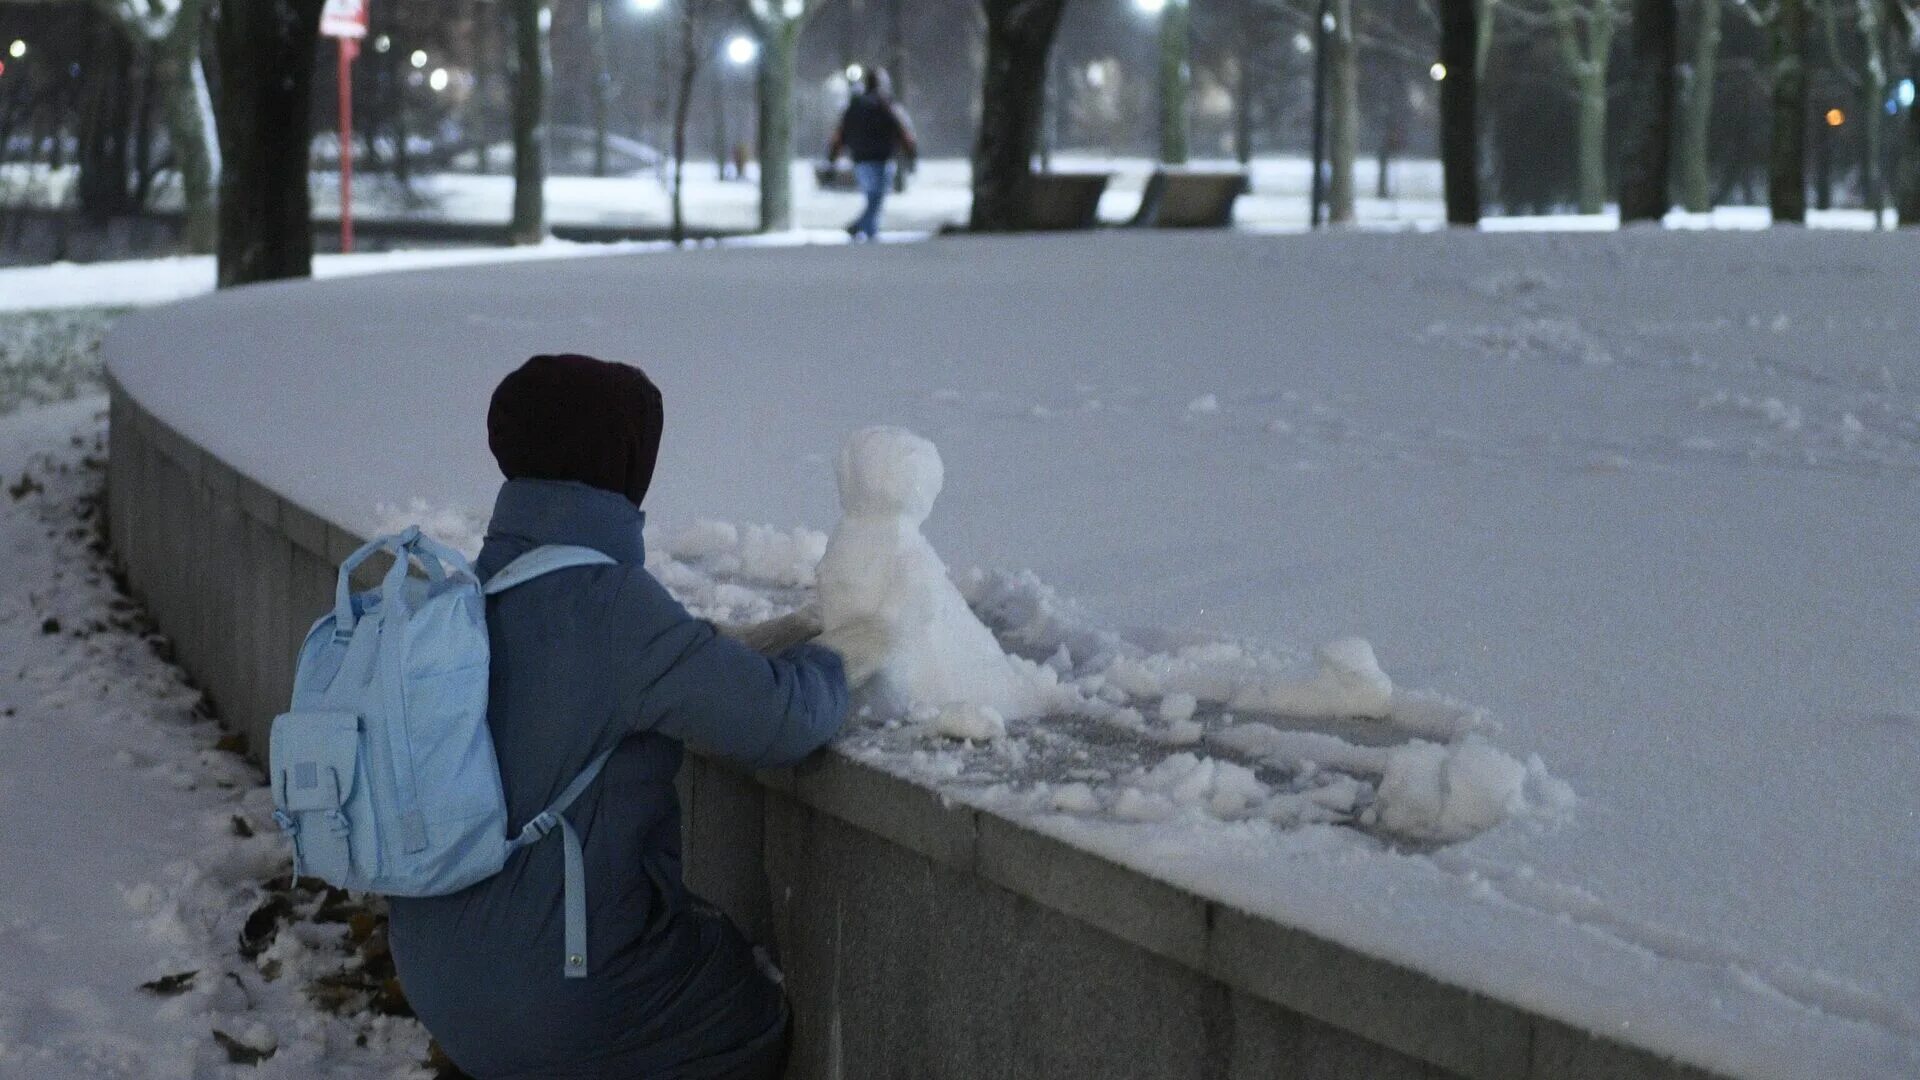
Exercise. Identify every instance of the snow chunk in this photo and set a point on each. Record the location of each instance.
(1449, 792)
(974, 723)
(1349, 683)
(1177, 708)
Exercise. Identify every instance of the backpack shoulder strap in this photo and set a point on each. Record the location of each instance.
(574, 889)
(542, 561)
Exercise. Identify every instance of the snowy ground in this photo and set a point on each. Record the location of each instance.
(141, 932)
(938, 195)
(1635, 504)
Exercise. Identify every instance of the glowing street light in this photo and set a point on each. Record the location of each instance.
(646, 7)
(418, 59)
(1150, 7)
(18, 49)
(1836, 117)
(382, 43)
(742, 50)
(439, 79)
(1438, 71)
(1905, 94)
(855, 73)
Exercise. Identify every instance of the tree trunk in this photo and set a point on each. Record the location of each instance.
(533, 72)
(1644, 173)
(1243, 103)
(103, 189)
(897, 48)
(1873, 88)
(682, 108)
(1012, 91)
(486, 20)
(190, 125)
(780, 43)
(1909, 181)
(266, 51)
(1459, 122)
(1176, 69)
(1343, 115)
(602, 81)
(1787, 160)
(1587, 61)
(1696, 118)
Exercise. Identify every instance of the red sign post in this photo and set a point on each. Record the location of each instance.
(346, 22)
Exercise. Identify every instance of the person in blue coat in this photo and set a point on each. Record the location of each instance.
(585, 659)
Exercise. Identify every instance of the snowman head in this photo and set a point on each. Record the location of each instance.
(889, 472)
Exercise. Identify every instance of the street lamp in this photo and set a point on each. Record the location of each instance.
(418, 59)
(18, 49)
(1438, 71)
(740, 52)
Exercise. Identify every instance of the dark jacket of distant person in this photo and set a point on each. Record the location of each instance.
(873, 128)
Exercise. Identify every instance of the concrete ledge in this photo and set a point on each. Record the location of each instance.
(921, 938)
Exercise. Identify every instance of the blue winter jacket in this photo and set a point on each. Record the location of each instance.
(585, 659)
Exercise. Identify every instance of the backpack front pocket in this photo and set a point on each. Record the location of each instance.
(314, 763)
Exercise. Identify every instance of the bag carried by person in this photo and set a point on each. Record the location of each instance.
(383, 770)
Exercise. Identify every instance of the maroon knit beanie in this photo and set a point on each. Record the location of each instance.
(576, 418)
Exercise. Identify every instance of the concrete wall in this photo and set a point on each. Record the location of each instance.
(920, 939)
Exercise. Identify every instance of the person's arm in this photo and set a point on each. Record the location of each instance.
(837, 143)
(682, 678)
(909, 144)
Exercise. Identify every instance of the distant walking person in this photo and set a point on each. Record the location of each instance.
(872, 131)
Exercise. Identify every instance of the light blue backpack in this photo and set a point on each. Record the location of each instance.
(383, 770)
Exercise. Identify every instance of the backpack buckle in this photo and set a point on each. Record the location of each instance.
(543, 823)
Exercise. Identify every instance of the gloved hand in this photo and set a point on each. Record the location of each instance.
(863, 645)
(777, 635)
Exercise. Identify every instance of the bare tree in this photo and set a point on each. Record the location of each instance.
(1343, 114)
(1585, 31)
(1012, 94)
(266, 52)
(1461, 59)
(1906, 18)
(532, 82)
(1866, 71)
(1645, 194)
(778, 24)
(1785, 24)
(1176, 76)
(1696, 114)
(172, 30)
(696, 20)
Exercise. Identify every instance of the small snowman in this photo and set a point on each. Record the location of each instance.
(879, 567)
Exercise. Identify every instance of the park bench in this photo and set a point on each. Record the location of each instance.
(1064, 200)
(1190, 198)
(837, 177)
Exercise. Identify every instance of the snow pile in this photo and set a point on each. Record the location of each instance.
(1421, 790)
(758, 553)
(878, 565)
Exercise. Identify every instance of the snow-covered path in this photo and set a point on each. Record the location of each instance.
(123, 859)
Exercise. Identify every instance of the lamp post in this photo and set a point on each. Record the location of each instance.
(740, 52)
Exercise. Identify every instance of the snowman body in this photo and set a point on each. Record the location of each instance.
(879, 566)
